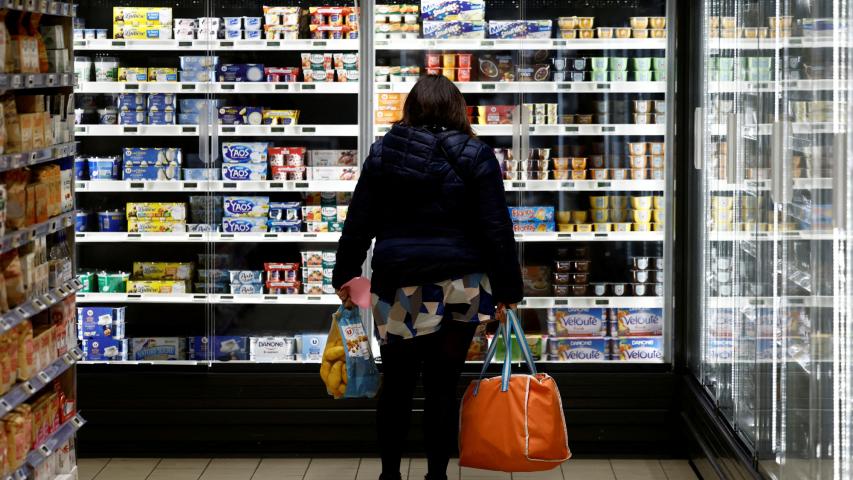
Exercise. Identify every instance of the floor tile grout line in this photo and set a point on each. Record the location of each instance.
(255, 471)
(358, 468)
(209, 461)
(612, 468)
(95, 476)
(660, 464)
(204, 470)
(308, 467)
(159, 460)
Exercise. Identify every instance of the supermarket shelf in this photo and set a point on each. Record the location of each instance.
(24, 390)
(718, 236)
(259, 237)
(522, 44)
(764, 185)
(797, 128)
(214, 186)
(333, 237)
(218, 87)
(780, 86)
(582, 302)
(55, 441)
(107, 45)
(23, 81)
(12, 161)
(564, 130)
(224, 130)
(22, 237)
(48, 7)
(589, 237)
(347, 186)
(583, 185)
(769, 43)
(537, 87)
(782, 301)
(38, 304)
(87, 298)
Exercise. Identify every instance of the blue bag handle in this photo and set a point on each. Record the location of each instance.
(512, 319)
(505, 332)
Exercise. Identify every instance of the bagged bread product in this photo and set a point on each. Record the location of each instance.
(50, 176)
(25, 350)
(11, 266)
(41, 50)
(12, 353)
(16, 198)
(18, 428)
(4, 304)
(4, 452)
(13, 125)
(6, 61)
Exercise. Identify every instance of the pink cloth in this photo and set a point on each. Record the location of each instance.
(359, 291)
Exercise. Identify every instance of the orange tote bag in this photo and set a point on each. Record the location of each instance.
(512, 423)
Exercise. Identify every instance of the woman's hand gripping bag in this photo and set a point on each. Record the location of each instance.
(512, 423)
(348, 369)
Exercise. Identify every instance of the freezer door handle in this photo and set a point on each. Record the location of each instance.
(778, 187)
(839, 180)
(698, 139)
(731, 154)
(525, 132)
(516, 133)
(203, 132)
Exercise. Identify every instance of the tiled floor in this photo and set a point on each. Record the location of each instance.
(359, 469)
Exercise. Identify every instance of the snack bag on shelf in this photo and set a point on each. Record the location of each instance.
(348, 368)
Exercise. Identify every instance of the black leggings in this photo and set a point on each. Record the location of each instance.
(439, 357)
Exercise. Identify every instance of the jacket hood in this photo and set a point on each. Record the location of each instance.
(421, 150)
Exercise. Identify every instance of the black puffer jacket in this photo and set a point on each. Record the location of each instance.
(435, 204)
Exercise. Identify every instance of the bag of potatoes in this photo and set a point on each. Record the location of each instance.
(348, 369)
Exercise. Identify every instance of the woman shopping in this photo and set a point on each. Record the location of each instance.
(432, 196)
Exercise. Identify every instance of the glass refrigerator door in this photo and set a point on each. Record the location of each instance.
(806, 110)
(287, 139)
(731, 157)
(596, 127)
(772, 140)
(143, 137)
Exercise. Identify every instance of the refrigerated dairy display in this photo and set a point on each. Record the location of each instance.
(574, 101)
(177, 118)
(772, 150)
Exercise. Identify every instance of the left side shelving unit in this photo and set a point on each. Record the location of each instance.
(38, 327)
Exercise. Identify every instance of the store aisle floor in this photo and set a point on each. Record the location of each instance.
(359, 469)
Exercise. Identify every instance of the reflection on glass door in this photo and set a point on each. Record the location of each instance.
(287, 147)
(773, 158)
(145, 139)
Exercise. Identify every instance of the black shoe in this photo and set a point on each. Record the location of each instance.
(390, 477)
(428, 477)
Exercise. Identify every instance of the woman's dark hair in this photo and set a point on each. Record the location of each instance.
(436, 102)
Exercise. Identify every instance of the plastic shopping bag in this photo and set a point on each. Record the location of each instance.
(348, 369)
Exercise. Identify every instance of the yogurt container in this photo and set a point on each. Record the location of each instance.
(106, 69)
(112, 221)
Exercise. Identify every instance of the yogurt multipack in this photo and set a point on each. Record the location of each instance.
(446, 10)
(577, 322)
(639, 349)
(218, 348)
(272, 349)
(100, 322)
(245, 152)
(158, 348)
(104, 349)
(639, 322)
(579, 349)
(244, 206)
